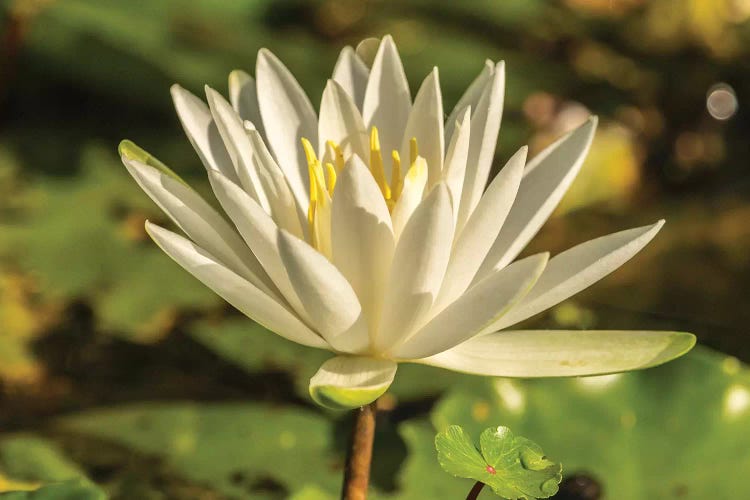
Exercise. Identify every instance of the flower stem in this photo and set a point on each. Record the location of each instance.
(474, 493)
(357, 472)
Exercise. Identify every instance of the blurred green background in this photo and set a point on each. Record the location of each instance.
(118, 367)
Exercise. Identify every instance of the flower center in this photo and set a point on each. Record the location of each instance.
(323, 183)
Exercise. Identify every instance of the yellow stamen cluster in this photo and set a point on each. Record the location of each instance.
(323, 177)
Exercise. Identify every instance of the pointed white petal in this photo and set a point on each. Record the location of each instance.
(419, 264)
(341, 122)
(548, 175)
(367, 49)
(202, 131)
(348, 382)
(260, 233)
(425, 123)
(485, 126)
(480, 306)
(351, 73)
(327, 297)
(480, 231)
(563, 353)
(287, 117)
(283, 207)
(387, 98)
(233, 288)
(200, 222)
(578, 268)
(456, 158)
(362, 237)
(415, 183)
(471, 96)
(238, 145)
(243, 95)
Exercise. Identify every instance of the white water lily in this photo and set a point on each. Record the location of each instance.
(366, 229)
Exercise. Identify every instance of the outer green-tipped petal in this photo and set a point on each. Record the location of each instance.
(131, 151)
(200, 222)
(347, 382)
(563, 353)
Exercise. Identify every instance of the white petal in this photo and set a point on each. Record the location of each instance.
(351, 73)
(347, 382)
(471, 96)
(480, 306)
(202, 131)
(411, 196)
(200, 222)
(341, 122)
(362, 237)
(563, 353)
(548, 175)
(243, 95)
(577, 268)
(325, 294)
(425, 123)
(233, 288)
(485, 126)
(260, 233)
(419, 264)
(387, 98)
(287, 117)
(367, 49)
(284, 209)
(238, 145)
(456, 158)
(472, 245)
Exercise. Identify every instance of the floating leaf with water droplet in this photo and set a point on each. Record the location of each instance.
(513, 466)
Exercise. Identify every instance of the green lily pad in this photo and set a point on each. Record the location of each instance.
(239, 450)
(33, 459)
(66, 490)
(513, 466)
(676, 431)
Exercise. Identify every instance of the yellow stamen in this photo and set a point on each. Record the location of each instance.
(376, 164)
(312, 158)
(336, 154)
(313, 197)
(397, 183)
(413, 151)
(330, 178)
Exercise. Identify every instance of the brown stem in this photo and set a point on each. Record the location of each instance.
(357, 472)
(474, 493)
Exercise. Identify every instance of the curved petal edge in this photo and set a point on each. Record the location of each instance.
(347, 382)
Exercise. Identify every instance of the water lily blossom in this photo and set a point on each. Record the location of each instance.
(369, 229)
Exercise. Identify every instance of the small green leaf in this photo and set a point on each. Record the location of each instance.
(75, 489)
(514, 467)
